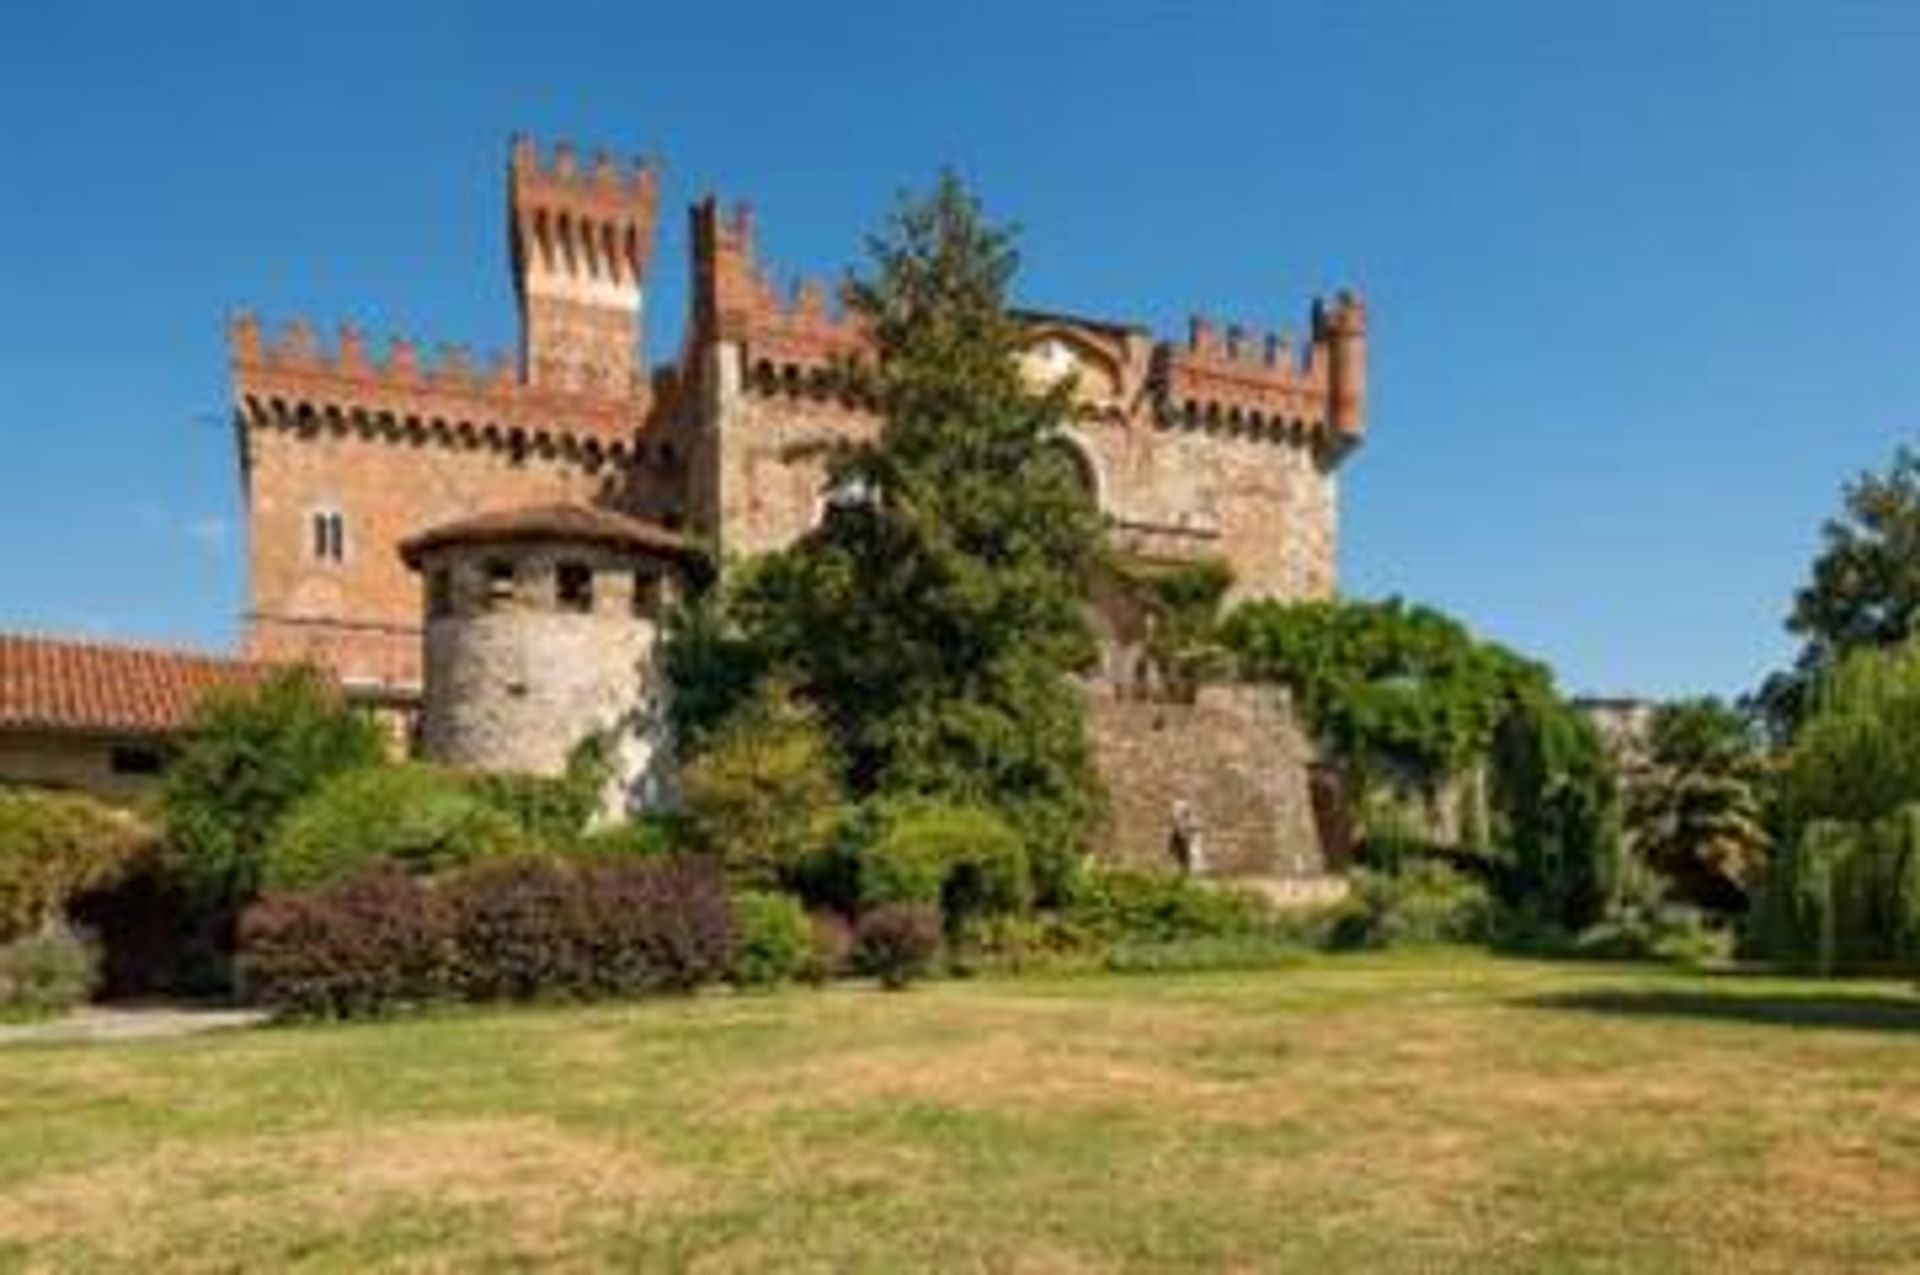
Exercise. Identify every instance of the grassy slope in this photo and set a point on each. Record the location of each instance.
(1364, 1114)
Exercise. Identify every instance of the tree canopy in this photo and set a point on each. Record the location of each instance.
(934, 616)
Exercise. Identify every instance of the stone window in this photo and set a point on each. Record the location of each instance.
(500, 584)
(439, 594)
(329, 535)
(573, 586)
(134, 759)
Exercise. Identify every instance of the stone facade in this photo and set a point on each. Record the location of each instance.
(1230, 773)
(538, 637)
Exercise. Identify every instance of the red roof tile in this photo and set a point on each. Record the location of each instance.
(571, 523)
(47, 683)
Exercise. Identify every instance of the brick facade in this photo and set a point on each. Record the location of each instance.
(1222, 445)
(1219, 445)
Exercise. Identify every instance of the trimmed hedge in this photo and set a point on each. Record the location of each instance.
(369, 946)
(897, 942)
(518, 928)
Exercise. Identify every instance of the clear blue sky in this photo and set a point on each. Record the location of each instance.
(1644, 277)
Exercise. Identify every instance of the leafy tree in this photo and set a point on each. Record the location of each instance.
(763, 793)
(1695, 813)
(251, 755)
(1844, 888)
(1863, 590)
(1403, 691)
(1384, 684)
(56, 847)
(1556, 834)
(935, 615)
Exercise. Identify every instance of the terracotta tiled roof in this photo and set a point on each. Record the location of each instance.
(51, 684)
(573, 523)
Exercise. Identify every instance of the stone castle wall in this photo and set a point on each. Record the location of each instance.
(1235, 760)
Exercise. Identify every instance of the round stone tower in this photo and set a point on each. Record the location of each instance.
(543, 627)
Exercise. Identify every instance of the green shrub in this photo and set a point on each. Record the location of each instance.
(56, 847)
(1116, 904)
(1015, 944)
(763, 793)
(964, 858)
(1426, 902)
(1216, 952)
(896, 943)
(642, 837)
(552, 810)
(1672, 932)
(46, 972)
(773, 939)
(250, 756)
(420, 818)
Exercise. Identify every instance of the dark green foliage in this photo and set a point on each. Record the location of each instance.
(1695, 814)
(368, 946)
(936, 614)
(1113, 904)
(250, 756)
(1863, 590)
(53, 969)
(1843, 887)
(642, 837)
(763, 794)
(1556, 834)
(1423, 903)
(963, 858)
(1180, 606)
(420, 818)
(551, 810)
(520, 929)
(896, 943)
(1385, 685)
(58, 847)
(774, 941)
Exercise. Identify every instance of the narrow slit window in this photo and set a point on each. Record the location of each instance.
(574, 586)
(499, 583)
(646, 593)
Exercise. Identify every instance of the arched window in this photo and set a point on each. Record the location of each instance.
(329, 535)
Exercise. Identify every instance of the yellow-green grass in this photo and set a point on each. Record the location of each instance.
(1434, 1113)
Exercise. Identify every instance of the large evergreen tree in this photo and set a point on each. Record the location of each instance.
(935, 615)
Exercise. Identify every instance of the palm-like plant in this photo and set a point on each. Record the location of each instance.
(1694, 812)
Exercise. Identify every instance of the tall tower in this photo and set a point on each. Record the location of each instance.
(581, 240)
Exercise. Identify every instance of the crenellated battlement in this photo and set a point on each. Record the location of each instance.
(786, 336)
(1258, 382)
(581, 239)
(289, 375)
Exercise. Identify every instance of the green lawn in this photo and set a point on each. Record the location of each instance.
(1355, 1114)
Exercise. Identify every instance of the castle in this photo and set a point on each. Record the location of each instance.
(1222, 446)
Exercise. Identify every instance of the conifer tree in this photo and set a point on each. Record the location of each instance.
(936, 614)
